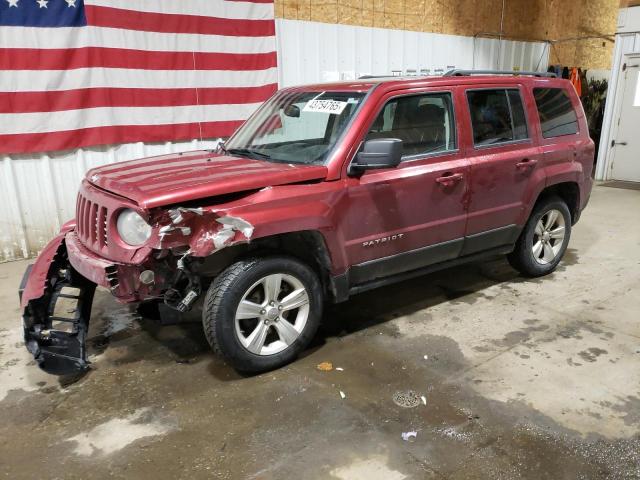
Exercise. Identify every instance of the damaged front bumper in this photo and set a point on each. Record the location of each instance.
(66, 270)
(56, 341)
(70, 271)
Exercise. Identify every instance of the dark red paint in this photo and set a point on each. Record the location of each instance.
(491, 187)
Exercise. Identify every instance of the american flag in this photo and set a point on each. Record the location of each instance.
(76, 73)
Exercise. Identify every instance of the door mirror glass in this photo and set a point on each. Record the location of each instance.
(292, 111)
(378, 153)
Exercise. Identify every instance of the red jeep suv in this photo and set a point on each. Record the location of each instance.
(326, 191)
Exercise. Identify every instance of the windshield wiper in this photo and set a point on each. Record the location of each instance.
(247, 152)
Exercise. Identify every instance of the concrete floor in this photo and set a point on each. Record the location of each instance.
(522, 379)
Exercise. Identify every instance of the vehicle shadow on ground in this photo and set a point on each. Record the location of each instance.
(186, 343)
(464, 283)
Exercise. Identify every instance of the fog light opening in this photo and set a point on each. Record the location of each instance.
(147, 277)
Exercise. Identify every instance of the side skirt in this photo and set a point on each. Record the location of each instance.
(383, 271)
(405, 261)
(429, 269)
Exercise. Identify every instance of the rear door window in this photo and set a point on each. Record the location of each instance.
(497, 116)
(557, 116)
(424, 123)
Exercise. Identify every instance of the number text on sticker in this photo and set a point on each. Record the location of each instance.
(325, 106)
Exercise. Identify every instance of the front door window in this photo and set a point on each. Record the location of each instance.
(424, 123)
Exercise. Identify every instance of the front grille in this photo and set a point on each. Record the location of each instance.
(91, 223)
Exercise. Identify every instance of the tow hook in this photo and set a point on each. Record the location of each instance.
(188, 300)
(186, 288)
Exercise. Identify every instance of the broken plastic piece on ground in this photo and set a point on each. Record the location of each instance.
(342, 395)
(325, 366)
(340, 369)
(426, 357)
(409, 436)
(424, 399)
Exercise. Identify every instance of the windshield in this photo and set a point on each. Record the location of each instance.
(295, 127)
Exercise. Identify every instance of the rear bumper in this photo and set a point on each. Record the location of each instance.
(587, 189)
(585, 194)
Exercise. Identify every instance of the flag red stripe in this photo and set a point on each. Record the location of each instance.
(174, 23)
(252, 1)
(43, 142)
(55, 101)
(94, 57)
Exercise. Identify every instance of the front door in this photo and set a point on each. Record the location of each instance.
(405, 218)
(626, 161)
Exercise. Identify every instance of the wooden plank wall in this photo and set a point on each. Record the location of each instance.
(525, 19)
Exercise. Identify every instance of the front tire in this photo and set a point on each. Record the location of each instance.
(261, 313)
(544, 240)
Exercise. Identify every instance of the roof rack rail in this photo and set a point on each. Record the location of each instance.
(369, 77)
(458, 73)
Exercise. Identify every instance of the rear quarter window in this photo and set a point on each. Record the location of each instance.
(556, 112)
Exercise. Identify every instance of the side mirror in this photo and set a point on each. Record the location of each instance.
(378, 153)
(292, 111)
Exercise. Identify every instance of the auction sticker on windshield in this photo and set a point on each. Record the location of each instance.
(325, 106)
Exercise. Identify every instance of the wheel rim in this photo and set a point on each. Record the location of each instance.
(548, 237)
(272, 314)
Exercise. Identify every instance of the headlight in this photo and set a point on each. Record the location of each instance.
(132, 228)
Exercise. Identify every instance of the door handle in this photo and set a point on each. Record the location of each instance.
(526, 163)
(449, 179)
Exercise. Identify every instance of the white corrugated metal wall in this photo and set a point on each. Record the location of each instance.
(37, 191)
(311, 52)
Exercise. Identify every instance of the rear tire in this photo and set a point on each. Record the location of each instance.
(260, 313)
(544, 240)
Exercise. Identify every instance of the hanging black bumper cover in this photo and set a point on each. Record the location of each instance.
(59, 351)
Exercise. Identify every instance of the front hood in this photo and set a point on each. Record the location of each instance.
(169, 179)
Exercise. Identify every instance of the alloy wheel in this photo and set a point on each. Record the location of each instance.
(272, 314)
(548, 237)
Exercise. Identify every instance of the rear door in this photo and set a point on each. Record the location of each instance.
(505, 162)
(407, 217)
